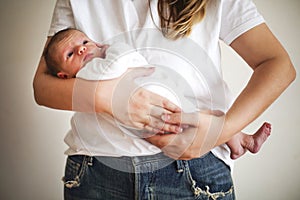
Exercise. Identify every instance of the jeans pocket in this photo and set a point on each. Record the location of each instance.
(75, 169)
(210, 178)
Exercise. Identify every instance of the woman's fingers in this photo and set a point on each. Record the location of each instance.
(164, 103)
(159, 126)
(158, 105)
(155, 99)
(137, 107)
(191, 119)
(176, 146)
(194, 140)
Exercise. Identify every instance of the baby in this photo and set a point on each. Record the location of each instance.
(70, 50)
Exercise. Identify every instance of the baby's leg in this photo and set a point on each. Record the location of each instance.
(242, 142)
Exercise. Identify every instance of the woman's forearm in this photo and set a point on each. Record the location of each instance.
(268, 81)
(50, 91)
(273, 72)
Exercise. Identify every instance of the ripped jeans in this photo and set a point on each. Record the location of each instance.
(147, 177)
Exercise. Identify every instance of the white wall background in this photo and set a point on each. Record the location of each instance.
(31, 143)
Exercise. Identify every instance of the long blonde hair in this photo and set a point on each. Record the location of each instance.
(178, 16)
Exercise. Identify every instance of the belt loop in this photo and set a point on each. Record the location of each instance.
(89, 160)
(180, 166)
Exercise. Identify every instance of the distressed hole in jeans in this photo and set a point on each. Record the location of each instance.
(74, 172)
(215, 195)
(225, 192)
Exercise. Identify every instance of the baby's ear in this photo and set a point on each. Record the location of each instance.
(62, 75)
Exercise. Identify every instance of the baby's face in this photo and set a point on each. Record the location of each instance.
(74, 51)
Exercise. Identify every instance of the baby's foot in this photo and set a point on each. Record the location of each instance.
(256, 141)
(236, 146)
(242, 142)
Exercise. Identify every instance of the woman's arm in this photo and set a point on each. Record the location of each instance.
(272, 73)
(140, 109)
(50, 91)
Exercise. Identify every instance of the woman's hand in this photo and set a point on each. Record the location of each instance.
(134, 106)
(201, 135)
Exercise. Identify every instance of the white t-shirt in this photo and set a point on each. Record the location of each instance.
(196, 59)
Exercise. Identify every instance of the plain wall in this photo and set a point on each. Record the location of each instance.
(31, 143)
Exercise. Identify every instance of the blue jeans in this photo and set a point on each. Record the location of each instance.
(147, 177)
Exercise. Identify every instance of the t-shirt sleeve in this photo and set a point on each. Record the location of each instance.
(62, 17)
(238, 16)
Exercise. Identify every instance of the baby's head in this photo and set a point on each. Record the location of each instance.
(69, 50)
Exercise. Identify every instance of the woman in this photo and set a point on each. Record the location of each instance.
(201, 169)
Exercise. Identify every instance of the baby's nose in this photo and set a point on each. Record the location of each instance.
(81, 50)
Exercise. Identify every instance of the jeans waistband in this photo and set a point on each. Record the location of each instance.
(136, 164)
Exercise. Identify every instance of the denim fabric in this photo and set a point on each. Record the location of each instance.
(147, 177)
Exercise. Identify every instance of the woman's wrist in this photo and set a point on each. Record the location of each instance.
(103, 97)
(227, 130)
